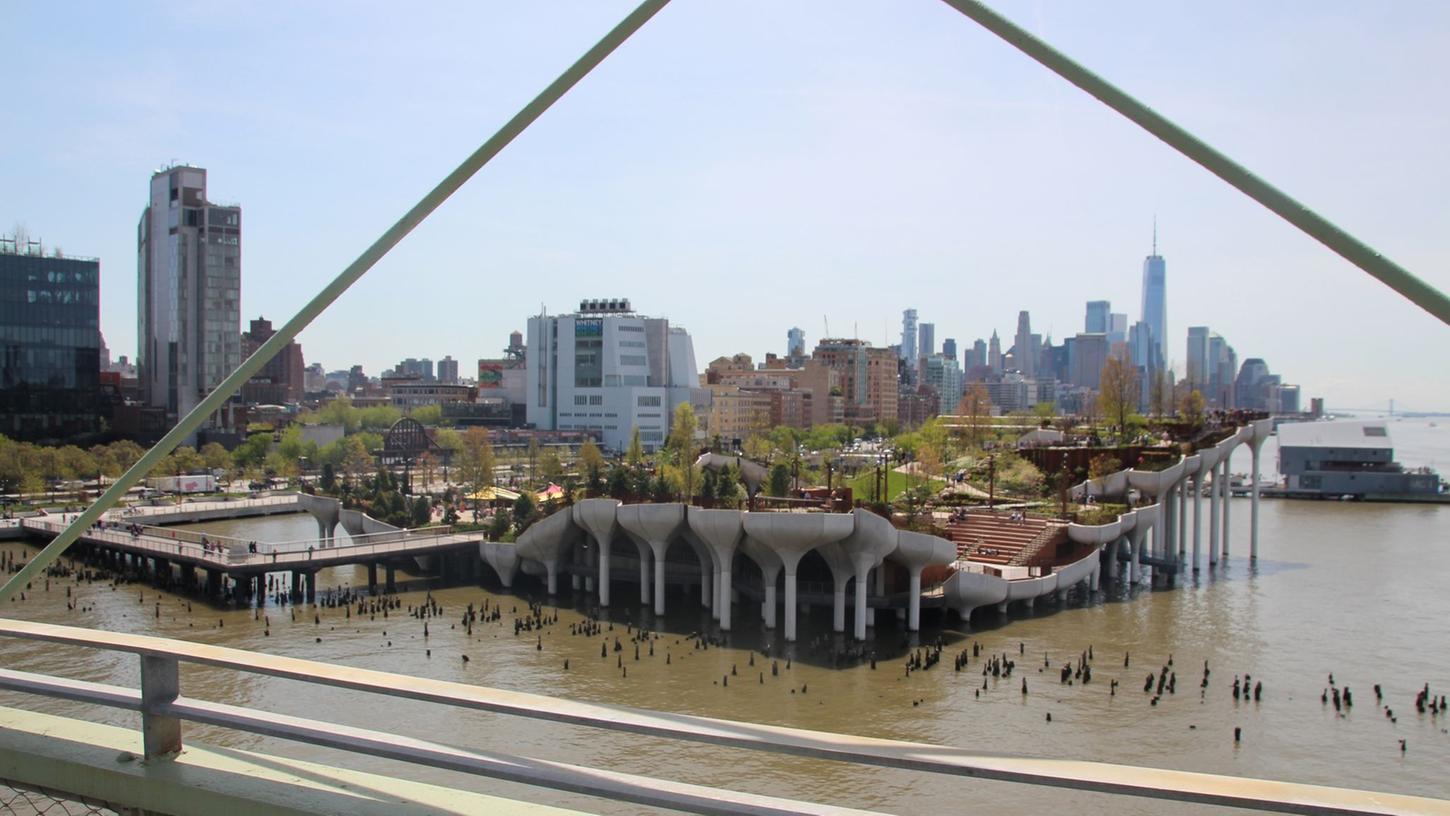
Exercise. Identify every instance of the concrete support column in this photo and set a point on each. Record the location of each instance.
(873, 584)
(715, 594)
(913, 602)
(1113, 548)
(722, 588)
(372, 579)
(659, 553)
(312, 586)
(1182, 519)
(575, 582)
(1254, 502)
(860, 610)
(707, 587)
(1135, 547)
(1096, 578)
(589, 583)
(1228, 495)
(790, 603)
(838, 602)
(1213, 517)
(604, 547)
(767, 608)
(552, 567)
(1197, 517)
(390, 573)
(1167, 525)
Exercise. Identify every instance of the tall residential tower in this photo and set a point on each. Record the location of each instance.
(188, 296)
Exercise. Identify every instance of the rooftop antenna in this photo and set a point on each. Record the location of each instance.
(1155, 234)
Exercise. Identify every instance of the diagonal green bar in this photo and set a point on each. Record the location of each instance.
(1356, 252)
(334, 290)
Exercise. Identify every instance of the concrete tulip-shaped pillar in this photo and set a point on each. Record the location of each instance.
(1262, 429)
(872, 539)
(770, 566)
(1215, 512)
(655, 525)
(916, 551)
(720, 531)
(643, 556)
(841, 573)
(1207, 470)
(504, 558)
(325, 510)
(597, 517)
(1183, 517)
(791, 536)
(709, 568)
(547, 541)
(1227, 496)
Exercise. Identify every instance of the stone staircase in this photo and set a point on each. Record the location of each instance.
(996, 539)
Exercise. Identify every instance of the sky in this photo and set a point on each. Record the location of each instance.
(748, 166)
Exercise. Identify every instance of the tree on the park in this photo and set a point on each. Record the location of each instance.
(1118, 391)
(476, 462)
(634, 457)
(682, 445)
(779, 479)
(976, 408)
(1191, 408)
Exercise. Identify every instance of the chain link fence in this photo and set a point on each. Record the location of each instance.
(24, 800)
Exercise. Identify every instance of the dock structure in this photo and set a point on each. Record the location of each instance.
(170, 554)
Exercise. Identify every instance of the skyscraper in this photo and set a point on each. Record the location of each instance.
(926, 340)
(977, 355)
(1097, 316)
(944, 375)
(448, 370)
(949, 348)
(1197, 359)
(1026, 354)
(189, 283)
(908, 338)
(994, 354)
(795, 343)
(1155, 295)
(1117, 328)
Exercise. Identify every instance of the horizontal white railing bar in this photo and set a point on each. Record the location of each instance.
(1156, 783)
(625, 787)
(77, 691)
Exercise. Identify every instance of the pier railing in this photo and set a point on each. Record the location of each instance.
(163, 709)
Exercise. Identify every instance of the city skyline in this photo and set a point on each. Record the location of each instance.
(637, 177)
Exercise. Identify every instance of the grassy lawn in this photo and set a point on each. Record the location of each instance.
(896, 484)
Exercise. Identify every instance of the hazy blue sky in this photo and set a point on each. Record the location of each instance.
(742, 167)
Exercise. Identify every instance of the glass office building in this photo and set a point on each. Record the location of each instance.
(50, 345)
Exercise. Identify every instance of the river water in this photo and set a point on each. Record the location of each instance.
(1349, 589)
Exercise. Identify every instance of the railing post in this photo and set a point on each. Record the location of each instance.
(160, 684)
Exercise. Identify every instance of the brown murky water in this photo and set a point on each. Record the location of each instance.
(1350, 589)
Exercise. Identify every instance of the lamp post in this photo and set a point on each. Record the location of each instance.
(991, 480)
